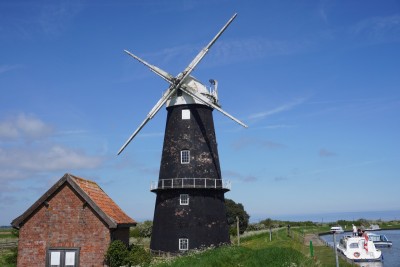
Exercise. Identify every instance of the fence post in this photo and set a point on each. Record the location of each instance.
(237, 228)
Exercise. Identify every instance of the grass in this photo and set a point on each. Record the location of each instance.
(243, 256)
(5, 256)
(257, 250)
(7, 233)
(7, 236)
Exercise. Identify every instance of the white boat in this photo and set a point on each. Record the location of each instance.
(373, 227)
(337, 229)
(379, 240)
(359, 249)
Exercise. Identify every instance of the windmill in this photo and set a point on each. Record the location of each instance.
(190, 209)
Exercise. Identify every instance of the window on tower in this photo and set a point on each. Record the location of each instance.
(185, 114)
(184, 199)
(183, 244)
(185, 156)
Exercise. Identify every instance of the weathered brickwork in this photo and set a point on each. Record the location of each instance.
(63, 221)
(203, 220)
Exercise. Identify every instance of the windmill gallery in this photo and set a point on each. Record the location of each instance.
(190, 207)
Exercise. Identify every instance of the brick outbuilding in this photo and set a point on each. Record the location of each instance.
(72, 224)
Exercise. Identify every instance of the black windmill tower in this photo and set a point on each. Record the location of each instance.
(190, 205)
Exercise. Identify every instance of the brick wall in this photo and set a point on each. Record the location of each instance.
(66, 222)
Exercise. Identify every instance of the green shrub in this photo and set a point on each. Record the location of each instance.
(11, 258)
(117, 254)
(138, 256)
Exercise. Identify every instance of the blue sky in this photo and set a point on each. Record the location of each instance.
(316, 81)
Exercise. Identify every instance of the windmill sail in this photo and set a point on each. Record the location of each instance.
(180, 82)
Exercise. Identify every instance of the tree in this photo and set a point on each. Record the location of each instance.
(234, 210)
(145, 229)
(142, 230)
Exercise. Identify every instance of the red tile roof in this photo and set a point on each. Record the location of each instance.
(103, 201)
(92, 194)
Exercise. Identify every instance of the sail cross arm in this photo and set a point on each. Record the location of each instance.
(163, 74)
(207, 102)
(151, 114)
(205, 50)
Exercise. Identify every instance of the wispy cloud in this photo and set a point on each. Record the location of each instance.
(280, 179)
(323, 8)
(6, 68)
(273, 127)
(41, 17)
(326, 153)
(378, 29)
(243, 143)
(343, 167)
(226, 51)
(55, 17)
(23, 126)
(235, 176)
(276, 110)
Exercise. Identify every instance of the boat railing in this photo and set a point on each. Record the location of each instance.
(200, 183)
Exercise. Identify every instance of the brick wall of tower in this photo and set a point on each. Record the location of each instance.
(203, 221)
(64, 222)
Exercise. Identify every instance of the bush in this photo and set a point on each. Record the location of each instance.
(117, 254)
(11, 258)
(138, 256)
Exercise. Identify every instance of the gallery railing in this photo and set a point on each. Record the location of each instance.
(190, 183)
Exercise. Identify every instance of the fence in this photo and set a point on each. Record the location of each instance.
(7, 243)
(191, 183)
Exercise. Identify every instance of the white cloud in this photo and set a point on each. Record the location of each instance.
(22, 156)
(6, 68)
(14, 162)
(378, 29)
(279, 109)
(25, 127)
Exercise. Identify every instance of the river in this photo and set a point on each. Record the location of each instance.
(391, 255)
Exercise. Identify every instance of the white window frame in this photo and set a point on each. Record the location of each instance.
(184, 199)
(185, 114)
(62, 257)
(185, 156)
(183, 244)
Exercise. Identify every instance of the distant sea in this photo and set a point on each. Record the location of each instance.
(333, 217)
